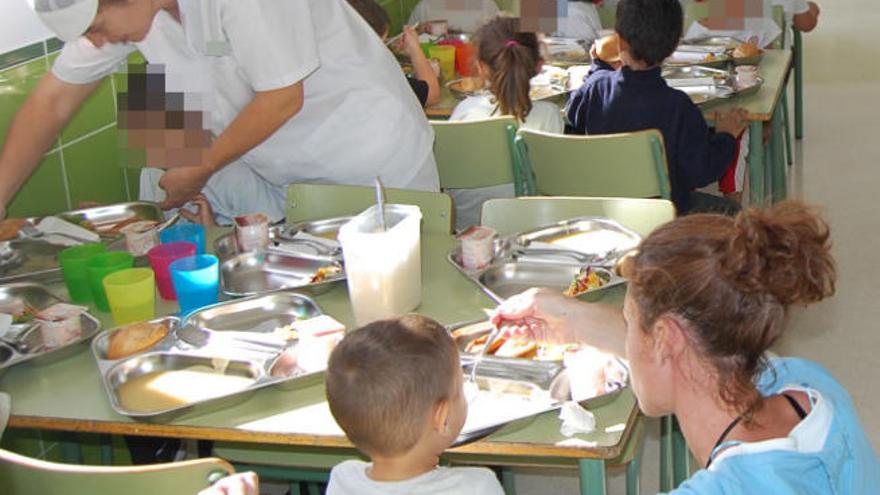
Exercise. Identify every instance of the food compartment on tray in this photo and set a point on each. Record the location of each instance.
(29, 259)
(259, 272)
(25, 338)
(508, 279)
(159, 383)
(101, 343)
(107, 220)
(259, 314)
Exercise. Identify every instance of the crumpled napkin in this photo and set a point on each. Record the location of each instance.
(55, 225)
(575, 419)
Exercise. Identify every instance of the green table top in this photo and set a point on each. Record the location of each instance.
(68, 395)
(773, 68)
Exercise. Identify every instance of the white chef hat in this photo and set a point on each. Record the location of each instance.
(69, 19)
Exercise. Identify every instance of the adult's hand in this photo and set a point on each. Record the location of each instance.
(547, 316)
(236, 484)
(183, 184)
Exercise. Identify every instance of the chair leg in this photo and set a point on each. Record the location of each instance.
(778, 168)
(666, 461)
(314, 489)
(507, 481)
(71, 450)
(786, 128)
(106, 450)
(294, 488)
(798, 86)
(757, 186)
(592, 476)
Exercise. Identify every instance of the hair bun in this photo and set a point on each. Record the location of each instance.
(783, 251)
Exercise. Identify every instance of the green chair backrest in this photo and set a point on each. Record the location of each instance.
(316, 201)
(474, 153)
(24, 475)
(630, 165)
(511, 215)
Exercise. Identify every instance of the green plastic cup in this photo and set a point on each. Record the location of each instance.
(131, 294)
(102, 265)
(73, 267)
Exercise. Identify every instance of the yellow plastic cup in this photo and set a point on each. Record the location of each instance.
(445, 55)
(131, 294)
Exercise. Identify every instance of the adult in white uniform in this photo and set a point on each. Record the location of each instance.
(295, 91)
(466, 16)
(581, 21)
(758, 30)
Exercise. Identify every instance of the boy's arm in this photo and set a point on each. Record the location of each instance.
(702, 158)
(576, 110)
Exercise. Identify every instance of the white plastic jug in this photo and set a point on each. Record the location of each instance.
(384, 269)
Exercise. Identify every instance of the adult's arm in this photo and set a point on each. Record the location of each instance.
(258, 120)
(35, 128)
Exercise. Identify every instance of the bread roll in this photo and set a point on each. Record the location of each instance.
(746, 50)
(9, 228)
(607, 49)
(135, 338)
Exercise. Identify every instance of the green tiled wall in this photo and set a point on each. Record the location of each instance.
(82, 166)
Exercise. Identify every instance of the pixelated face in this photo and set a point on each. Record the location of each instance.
(729, 15)
(161, 129)
(121, 22)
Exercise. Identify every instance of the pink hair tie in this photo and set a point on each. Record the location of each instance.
(511, 43)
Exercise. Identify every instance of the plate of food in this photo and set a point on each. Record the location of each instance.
(466, 86)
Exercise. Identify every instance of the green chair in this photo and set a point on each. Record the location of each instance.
(477, 153)
(316, 201)
(631, 164)
(511, 215)
(24, 475)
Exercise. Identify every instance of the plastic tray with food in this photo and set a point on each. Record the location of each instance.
(40, 327)
(159, 370)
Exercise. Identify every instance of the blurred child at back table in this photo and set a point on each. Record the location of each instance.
(462, 15)
(636, 98)
(507, 60)
(395, 387)
(424, 81)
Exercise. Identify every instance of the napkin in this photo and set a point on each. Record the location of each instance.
(575, 419)
(55, 225)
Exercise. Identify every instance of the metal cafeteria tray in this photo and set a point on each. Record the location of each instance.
(602, 238)
(265, 367)
(257, 273)
(29, 259)
(226, 246)
(103, 220)
(27, 344)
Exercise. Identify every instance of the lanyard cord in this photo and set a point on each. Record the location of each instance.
(721, 438)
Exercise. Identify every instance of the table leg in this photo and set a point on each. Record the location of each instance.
(106, 442)
(756, 163)
(507, 481)
(592, 472)
(778, 170)
(798, 85)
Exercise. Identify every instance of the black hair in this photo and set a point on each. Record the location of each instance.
(374, 14)
(652, 28)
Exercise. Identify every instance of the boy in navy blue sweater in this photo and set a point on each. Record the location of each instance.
(636, 98)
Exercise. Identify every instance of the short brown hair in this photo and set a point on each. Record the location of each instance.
(731, 280)
(374, 14)
(384, 379)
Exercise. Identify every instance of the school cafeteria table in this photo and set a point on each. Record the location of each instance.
(68, 396)
(767, 171)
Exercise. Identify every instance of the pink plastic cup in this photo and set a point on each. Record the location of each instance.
(160, 257)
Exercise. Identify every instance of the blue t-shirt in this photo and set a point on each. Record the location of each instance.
(828, 452)
(613, 101)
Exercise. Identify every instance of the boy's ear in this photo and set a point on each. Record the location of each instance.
(440, 417)
(622, 45)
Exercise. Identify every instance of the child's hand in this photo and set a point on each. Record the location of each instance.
(410, 41)
(204, 214)
(236, 484)
(733, 122)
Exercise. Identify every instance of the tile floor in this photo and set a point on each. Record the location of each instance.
(837, 168)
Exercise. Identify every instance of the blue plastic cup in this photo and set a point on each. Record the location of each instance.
(188, 232)
(196, 281)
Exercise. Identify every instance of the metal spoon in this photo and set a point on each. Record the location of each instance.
(493, 336)
(380, 201)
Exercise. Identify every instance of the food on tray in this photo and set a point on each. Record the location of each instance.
(746, 50)
(10, 227)
(466, 86)
(518, 348)
(20, 310)
(588, 278)
(135, 338)
(476, 346)
(162, 390)
(140, 236)
(317, 338)
(60, 324)
(515, 348)
(324, 272)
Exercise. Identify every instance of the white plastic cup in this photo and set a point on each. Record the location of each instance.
(384, 269)
(746, 75)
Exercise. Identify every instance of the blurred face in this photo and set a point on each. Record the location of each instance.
(121, 22)
(649, 376)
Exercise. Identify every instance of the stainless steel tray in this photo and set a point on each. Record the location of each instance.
(103, 219)
(729, 44)
(27, 346)
(551, 256)
(26, 259)
(257, 273)
(256, 315)
(327, 227)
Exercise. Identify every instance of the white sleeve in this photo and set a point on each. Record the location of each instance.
(273, 41)
(81, 62)
(793, 7)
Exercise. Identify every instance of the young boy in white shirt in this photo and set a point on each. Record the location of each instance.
(395, 388)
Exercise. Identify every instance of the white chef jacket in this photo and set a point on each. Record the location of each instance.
(467, 18)
(760, 30)
(359, 119)
(581, 22)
